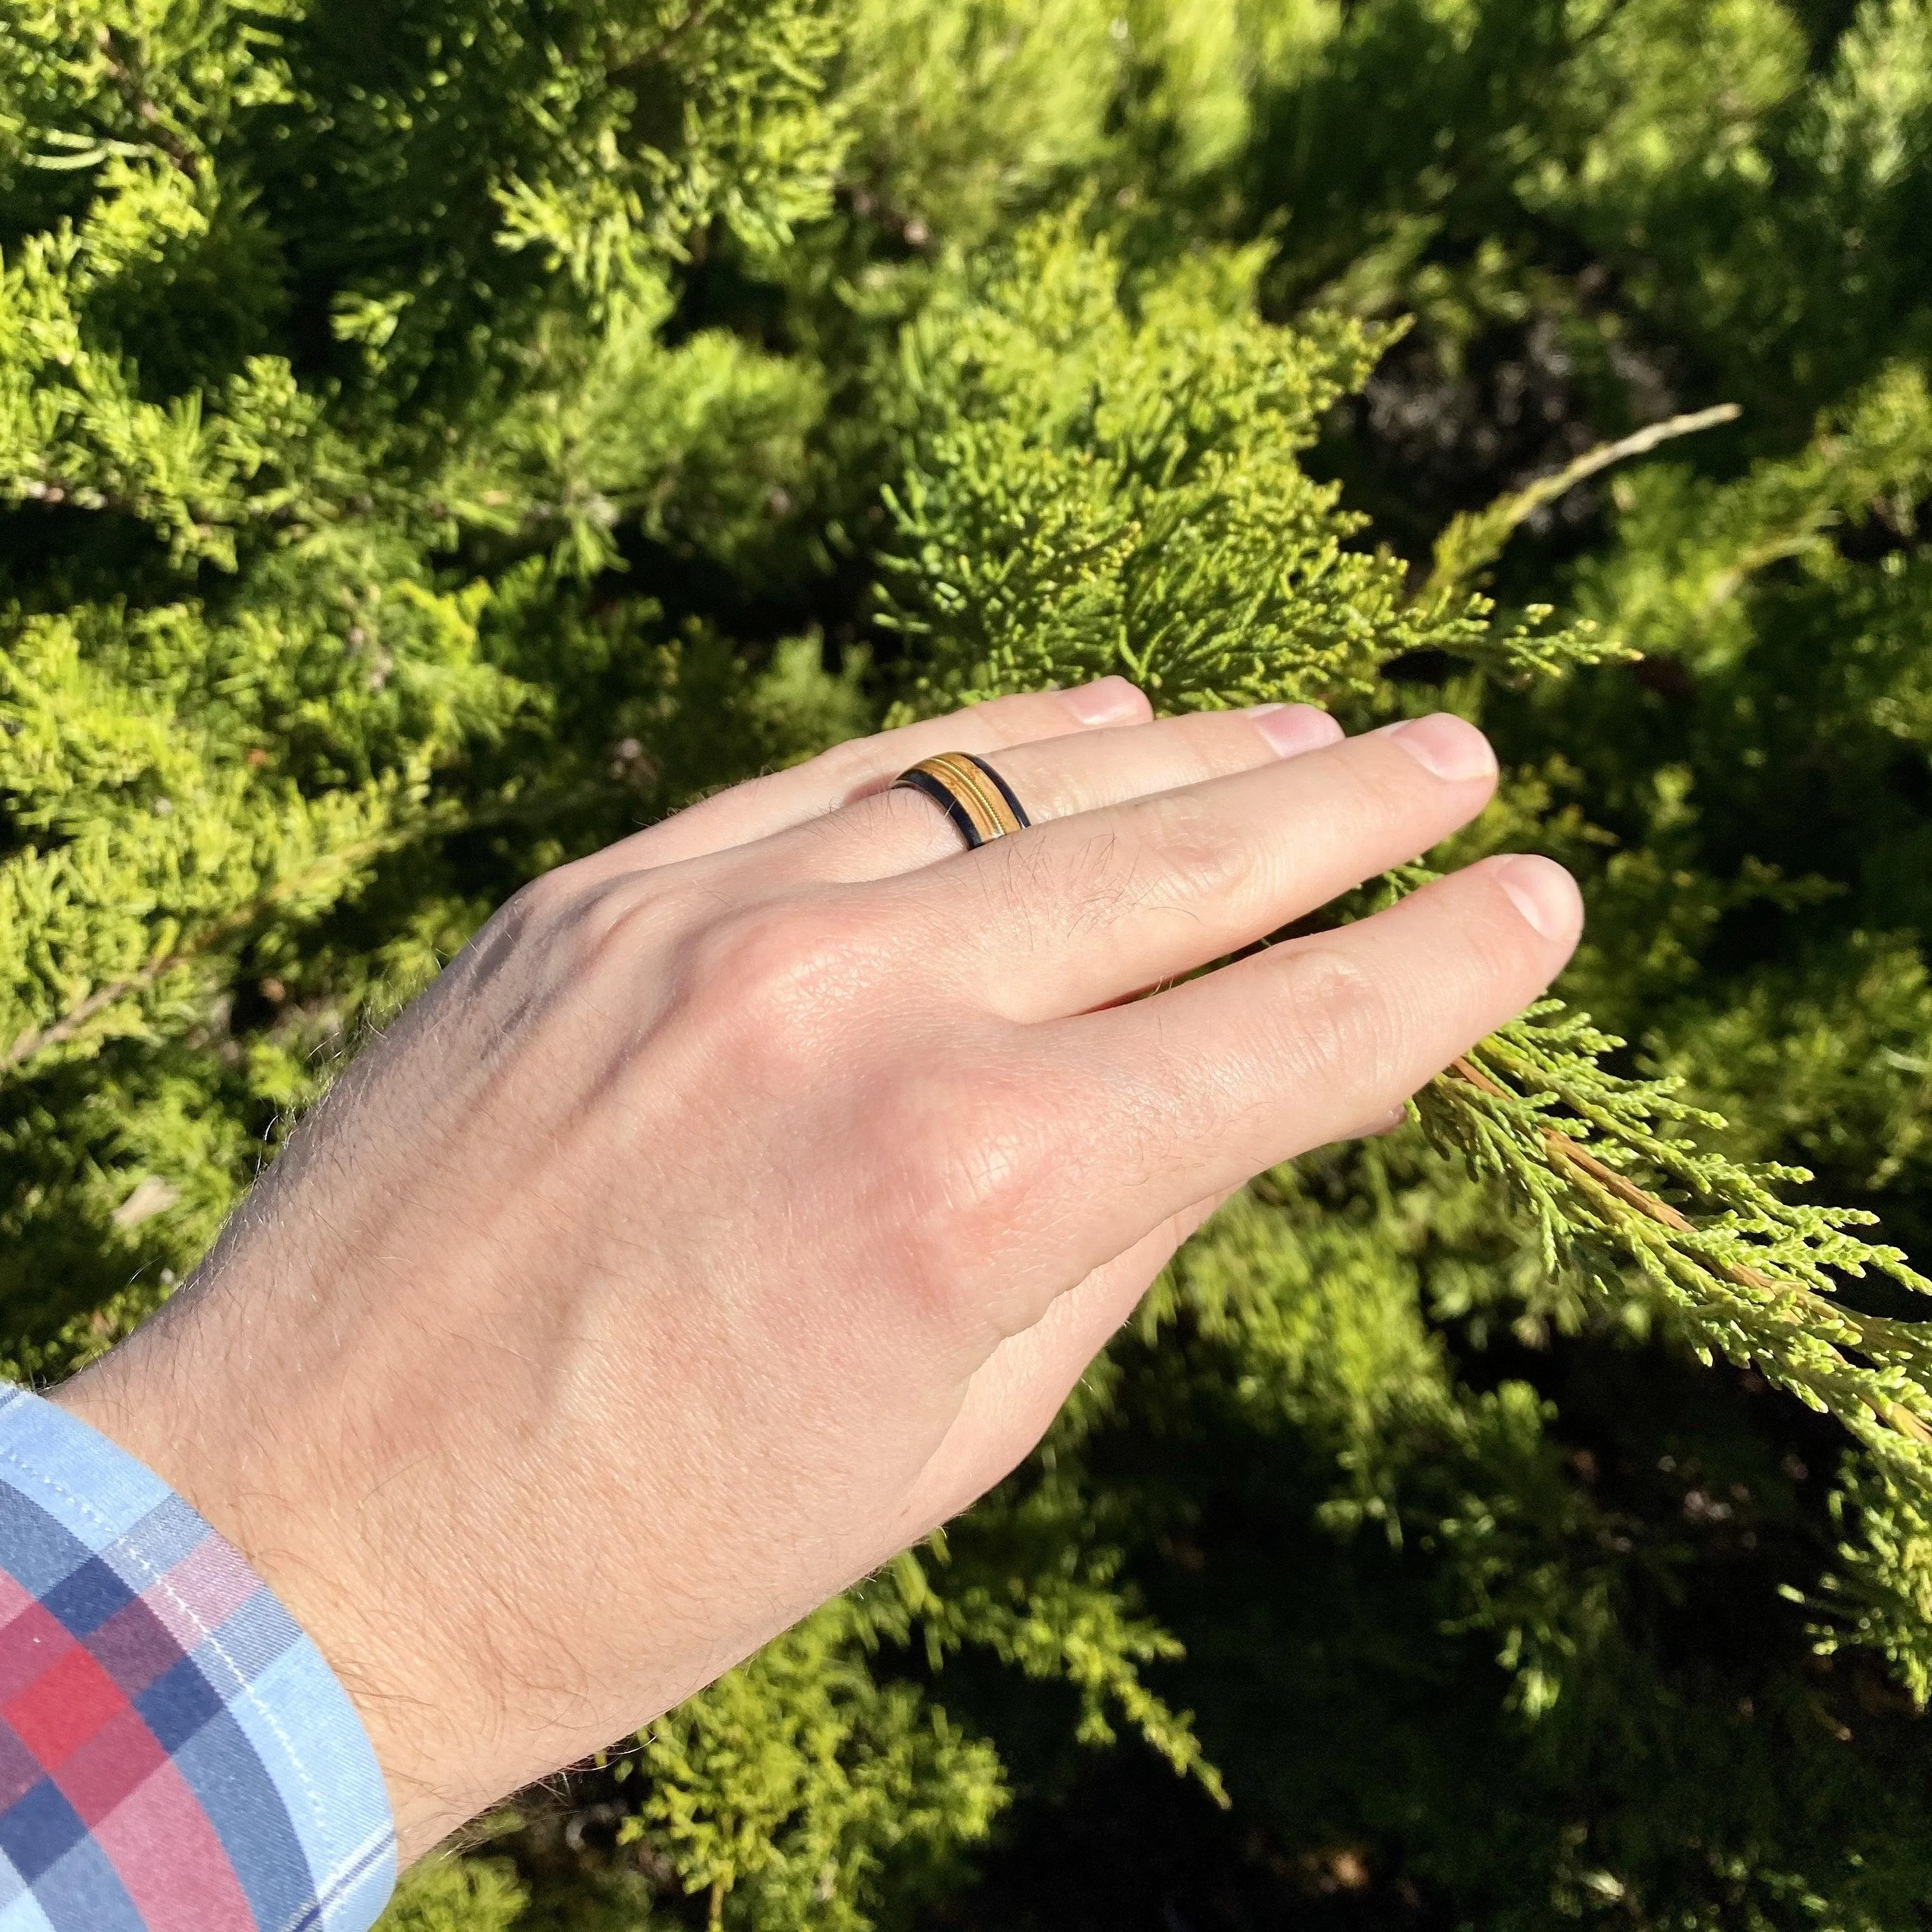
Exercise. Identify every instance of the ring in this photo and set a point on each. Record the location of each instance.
(980, 802)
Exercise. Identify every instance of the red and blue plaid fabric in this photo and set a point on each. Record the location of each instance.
(175, 1755)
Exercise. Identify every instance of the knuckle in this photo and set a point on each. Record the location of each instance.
(967, 1159)
(1219, 744)
(1167, 852)
(1333, 1019)
(1196, 850)
(1380, 788)
(540, 902)
(987, 1167)
(874, 817)
(764, 998)
(967, 1152)
(531, 917)
(898, 816)
(847, 770)
(785, 962)
(614, 923)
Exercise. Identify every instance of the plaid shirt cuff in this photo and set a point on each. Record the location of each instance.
(175, 1755)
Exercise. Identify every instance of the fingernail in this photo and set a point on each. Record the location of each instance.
(1443, 744)
(1291, 729)
(1107, 701)
(1545, 894)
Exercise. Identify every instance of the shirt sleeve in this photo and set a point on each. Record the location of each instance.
(174, 1754)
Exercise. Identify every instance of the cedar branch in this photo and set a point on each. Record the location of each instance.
(1601, 1177)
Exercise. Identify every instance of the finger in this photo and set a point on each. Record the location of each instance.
(1013, 1395)
(1082, 911)
(896, 829)
(1085, 1134)
(1200, 1087)
(763, 806)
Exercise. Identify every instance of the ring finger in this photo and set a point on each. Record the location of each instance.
(762, 807)
(896, 829)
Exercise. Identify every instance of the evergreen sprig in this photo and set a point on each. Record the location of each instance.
(1754, 1277)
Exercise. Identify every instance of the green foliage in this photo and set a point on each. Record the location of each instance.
(457, 1895)
(788, 1783)
(1090, 490)
(435, 439)
(960, 110)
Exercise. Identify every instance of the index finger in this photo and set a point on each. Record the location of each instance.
(1137, 1111)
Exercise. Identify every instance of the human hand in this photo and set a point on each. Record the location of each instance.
(743, 1201)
